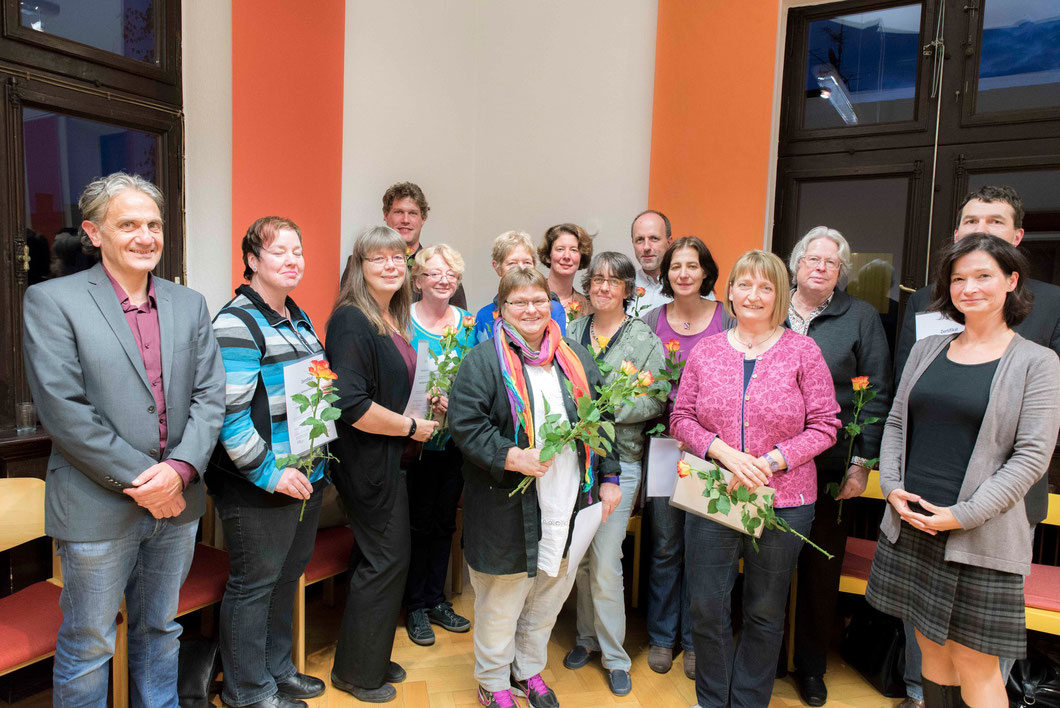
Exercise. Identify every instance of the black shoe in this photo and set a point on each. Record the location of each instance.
(301, 686)
(276, 700)
(811, 689)
(442, 615)
(394, 673)
(578, 657)
(619, 682)
(419, 628)
(384, 693)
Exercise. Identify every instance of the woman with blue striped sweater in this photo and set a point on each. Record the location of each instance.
(260, 331)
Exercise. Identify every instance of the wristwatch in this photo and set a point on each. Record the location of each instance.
(774, 466)
(412, 428)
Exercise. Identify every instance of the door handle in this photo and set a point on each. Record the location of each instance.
(23, 258)
(906, 289)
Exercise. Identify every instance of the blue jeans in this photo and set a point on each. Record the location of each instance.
(667, 592)
(268, 548)
(744, 677)
(601, 594)
(147, 565)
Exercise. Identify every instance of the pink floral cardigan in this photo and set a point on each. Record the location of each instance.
(789, 404)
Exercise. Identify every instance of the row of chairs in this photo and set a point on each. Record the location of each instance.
(30, 618)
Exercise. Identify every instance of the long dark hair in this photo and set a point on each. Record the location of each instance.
(1018, 303)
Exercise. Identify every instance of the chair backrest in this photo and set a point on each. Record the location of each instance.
(21, 511)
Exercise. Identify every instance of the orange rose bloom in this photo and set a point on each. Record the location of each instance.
(448, 331)
(645, 379)
(628, 368)
(860, 383)
(468, 322)
(319, 370)
(673, 346)
(641, 292)
(683, 469)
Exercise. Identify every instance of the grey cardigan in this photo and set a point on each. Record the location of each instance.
(1012, 451)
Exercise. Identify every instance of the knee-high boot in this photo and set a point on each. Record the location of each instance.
(939, 696)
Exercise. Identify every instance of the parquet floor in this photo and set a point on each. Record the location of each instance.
(440, 676)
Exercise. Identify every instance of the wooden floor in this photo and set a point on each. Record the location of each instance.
(441, 676)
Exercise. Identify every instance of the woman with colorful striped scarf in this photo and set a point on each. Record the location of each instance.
(516, 545)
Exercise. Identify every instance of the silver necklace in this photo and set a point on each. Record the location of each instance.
(753, 344)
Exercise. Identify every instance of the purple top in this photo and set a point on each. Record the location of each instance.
(143, 321)
(407, 353)
(789, 404)
(688, 341)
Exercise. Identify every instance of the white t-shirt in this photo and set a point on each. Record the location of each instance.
(557, 490)
(652, 298)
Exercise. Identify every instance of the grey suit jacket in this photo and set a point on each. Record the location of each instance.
(1011, 452)
(90, 386)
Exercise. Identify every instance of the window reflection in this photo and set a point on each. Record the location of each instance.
(861, 68)
(123, 27)
(63, 154)
(1019, 65)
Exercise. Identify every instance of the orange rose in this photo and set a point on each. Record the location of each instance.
(574, 306)
(860, 383)
(645, 379)
(641, 292)
(319, 370)
(673, 346)
(628, 369)
(683, 469)
(449, 331)
(468, 322)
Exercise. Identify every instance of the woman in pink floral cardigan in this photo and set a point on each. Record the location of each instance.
(758, 399)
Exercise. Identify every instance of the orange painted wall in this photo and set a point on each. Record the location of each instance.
(287, 61)
(711, 118)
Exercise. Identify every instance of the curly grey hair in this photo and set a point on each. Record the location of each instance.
(96, 198)
(832, 235)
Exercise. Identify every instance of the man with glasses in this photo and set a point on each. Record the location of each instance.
(998, 211)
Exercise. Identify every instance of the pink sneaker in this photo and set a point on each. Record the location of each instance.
(537, 692)
(497, 699)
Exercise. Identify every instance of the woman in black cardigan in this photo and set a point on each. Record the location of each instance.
(516, 545)
(368, 349)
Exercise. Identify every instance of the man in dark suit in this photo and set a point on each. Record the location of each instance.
(996, 210)
(128, 380)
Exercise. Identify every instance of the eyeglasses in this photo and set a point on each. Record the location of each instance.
(379, 261)
(436, 276)
(527, 304)
(815, 261)
(598, 280)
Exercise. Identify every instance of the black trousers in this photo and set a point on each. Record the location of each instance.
(378, 566)
(434, 487)
(818, 577)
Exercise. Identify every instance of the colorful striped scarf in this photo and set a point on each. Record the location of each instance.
(552, 348)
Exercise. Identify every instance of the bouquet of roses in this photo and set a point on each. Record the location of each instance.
(590, 429)
(319, 401)
(757, 510)
(863, 393)
(447, 362)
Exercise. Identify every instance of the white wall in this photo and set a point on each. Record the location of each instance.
(509, 115)
(207, 35)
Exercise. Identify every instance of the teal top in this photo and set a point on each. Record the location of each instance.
(434, 345)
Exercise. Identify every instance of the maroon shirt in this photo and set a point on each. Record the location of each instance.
(143, 321)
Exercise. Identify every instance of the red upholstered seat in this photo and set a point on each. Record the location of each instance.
(1041, 588)
(331, 554)
(858, 559)
(29, 624)
(206, 580)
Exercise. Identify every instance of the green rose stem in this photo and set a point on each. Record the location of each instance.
(863, 393)
(722, 501)
(320, 400)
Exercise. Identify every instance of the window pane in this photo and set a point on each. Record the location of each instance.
(124, 27)
(63, 154)
(871, 214)
(861, 68)
(1019, 65)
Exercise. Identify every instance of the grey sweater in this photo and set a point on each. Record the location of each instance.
(636, 343)
(1012, 451)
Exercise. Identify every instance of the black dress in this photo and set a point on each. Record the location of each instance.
(371, 483)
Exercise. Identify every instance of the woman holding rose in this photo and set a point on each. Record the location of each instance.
(516, 543)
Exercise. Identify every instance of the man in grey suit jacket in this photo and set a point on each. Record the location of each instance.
(128, 380)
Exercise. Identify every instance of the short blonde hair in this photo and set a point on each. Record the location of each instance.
(449, 254)
(770, 267)
(520, 278)
(508, 242)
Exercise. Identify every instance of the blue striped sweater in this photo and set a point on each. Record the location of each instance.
(285, 340)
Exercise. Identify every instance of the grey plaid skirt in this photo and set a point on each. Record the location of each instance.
(981, 608)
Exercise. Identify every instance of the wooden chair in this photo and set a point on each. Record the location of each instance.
(331, 556)
(205, 584)
(30, 618)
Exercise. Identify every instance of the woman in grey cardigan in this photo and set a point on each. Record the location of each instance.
(973, 426)
(614, 337)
